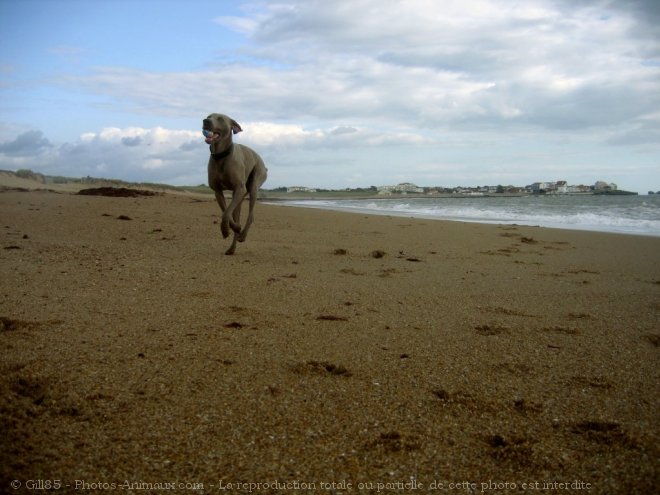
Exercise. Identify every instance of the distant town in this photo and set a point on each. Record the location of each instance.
(405, 188)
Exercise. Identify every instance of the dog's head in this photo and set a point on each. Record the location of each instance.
(218, 128)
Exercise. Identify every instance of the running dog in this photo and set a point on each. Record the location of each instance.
(232, 167)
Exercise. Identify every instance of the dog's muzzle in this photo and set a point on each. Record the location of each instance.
(211, 137)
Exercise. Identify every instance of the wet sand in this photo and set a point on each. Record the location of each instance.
(368, 352)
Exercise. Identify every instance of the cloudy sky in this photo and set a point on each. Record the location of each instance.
(336, 93)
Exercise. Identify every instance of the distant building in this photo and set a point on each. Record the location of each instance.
(604, 186)
(538, 187)
(559, 187)
(299, 189)
(562, 187)
(467, 191)
(578, 189)
(404, 187)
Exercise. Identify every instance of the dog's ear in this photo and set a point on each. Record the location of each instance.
(235, 127)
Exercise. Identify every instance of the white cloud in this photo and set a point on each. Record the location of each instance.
(155, 155)
(28, 144)
(166, 155)
(243, 25)
(409, 65)
(269, 134)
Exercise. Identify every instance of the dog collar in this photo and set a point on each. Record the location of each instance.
(222, 154)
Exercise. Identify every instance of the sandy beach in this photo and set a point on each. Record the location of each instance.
(334, 353)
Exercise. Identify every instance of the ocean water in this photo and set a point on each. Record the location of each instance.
(621, 214)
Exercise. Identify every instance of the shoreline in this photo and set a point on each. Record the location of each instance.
(537, 222)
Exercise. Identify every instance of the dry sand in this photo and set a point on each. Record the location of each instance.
(332, 348)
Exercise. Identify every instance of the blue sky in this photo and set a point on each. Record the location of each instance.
(336, 94)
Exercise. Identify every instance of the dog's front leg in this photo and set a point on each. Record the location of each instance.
(232, 217)
(222, 202)
(232, 248)
(237, 236)
(236, 200)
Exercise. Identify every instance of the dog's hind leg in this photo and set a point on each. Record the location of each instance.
(242, 236)
(254, 183)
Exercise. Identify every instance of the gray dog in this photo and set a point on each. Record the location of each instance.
(232, 167)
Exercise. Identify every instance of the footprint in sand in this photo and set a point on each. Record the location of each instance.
(581, 316)
(597, 382)
(13, 325)
(511, 449)
(331, 318)
(490, 329)
(351, 271)
(562, 330)
(463, 400)
(506, 311)
(393, 441)
(526, 407)
(324, 368)
(387, 272)
(235, 325)
(607, 433)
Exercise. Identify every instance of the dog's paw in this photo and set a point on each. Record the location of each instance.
(242, 236)
(224, 228)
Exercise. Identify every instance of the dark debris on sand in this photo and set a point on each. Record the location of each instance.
(116, 192)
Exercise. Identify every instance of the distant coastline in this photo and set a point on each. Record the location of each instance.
(311, 196)
(30, 180)
(409, 189)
